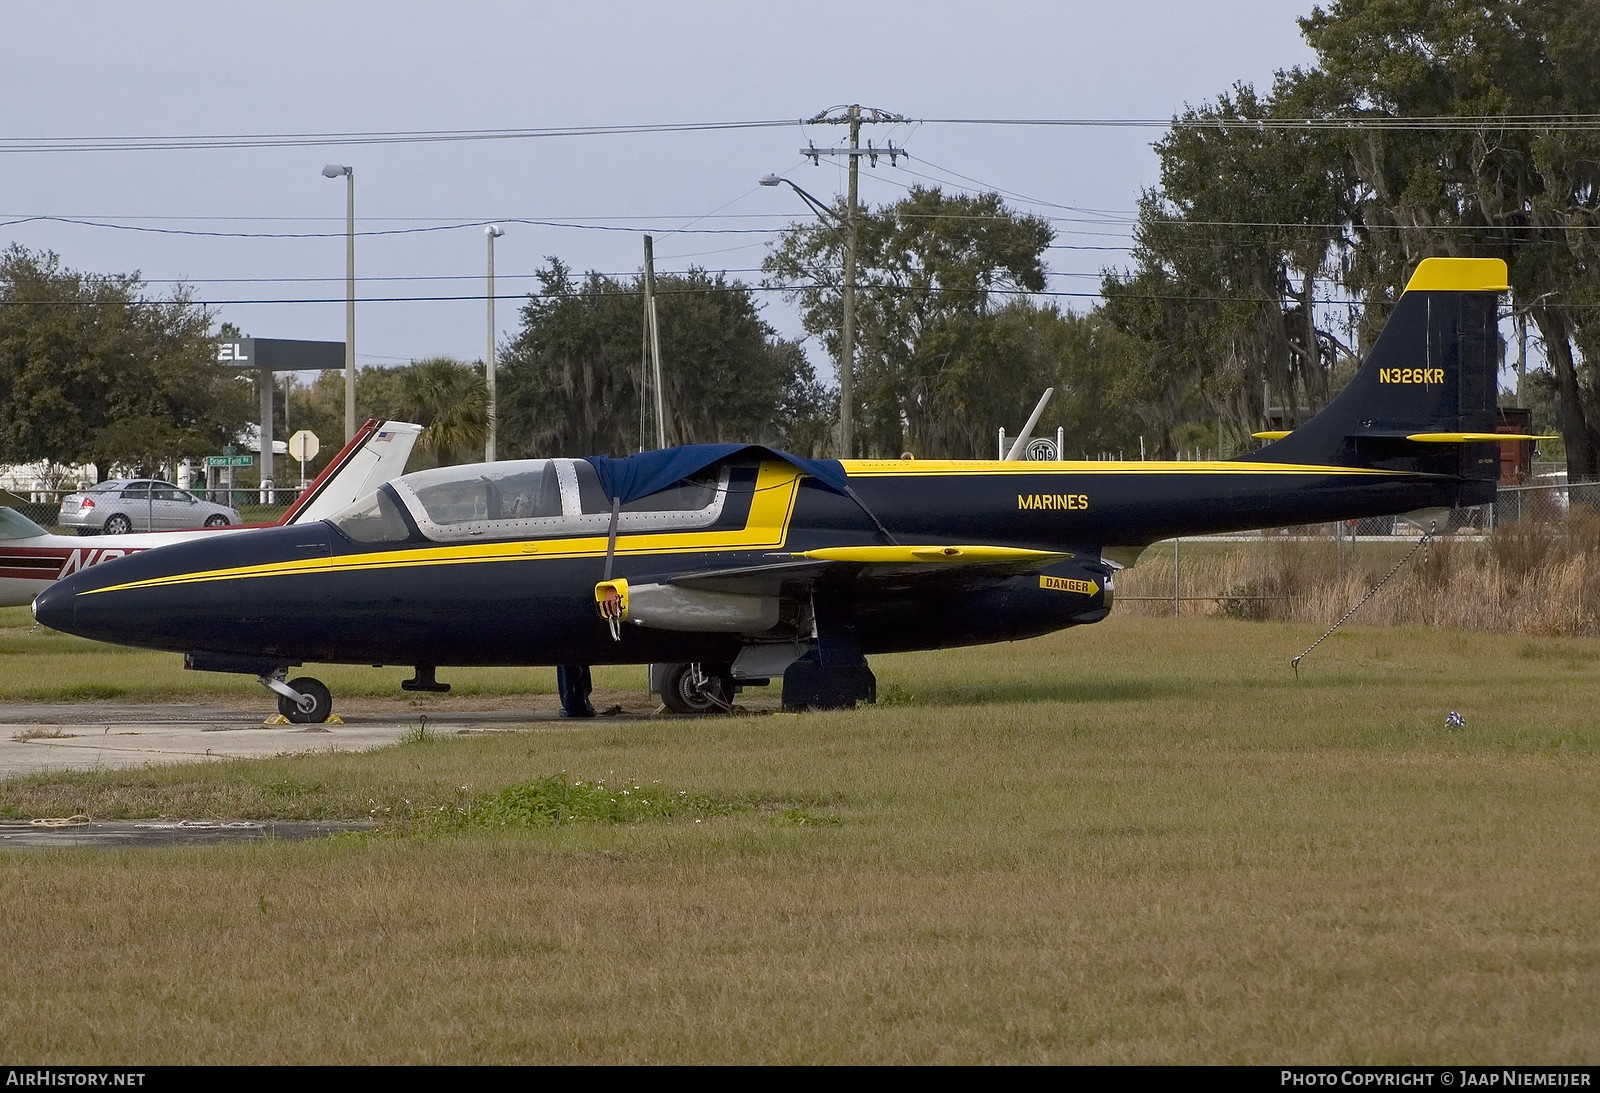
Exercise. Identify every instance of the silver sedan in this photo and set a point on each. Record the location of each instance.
(140, 504)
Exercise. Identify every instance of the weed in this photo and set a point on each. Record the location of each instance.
(547, 802)
(55, 732)
(800, 817)
(83, 692)
(892, 694)
(419, 733)
(290, 787)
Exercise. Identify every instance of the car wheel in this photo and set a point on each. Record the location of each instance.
(118, 524)
(216, 520)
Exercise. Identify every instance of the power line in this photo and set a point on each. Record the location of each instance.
(376, 231)
(631, 227)
(1473, 122)
(1128, 226)
(177, 142)
(208, 141)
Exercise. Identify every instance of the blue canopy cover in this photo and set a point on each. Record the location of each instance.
(636, 476)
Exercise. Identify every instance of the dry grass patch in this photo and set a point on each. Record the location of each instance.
(1534, 578)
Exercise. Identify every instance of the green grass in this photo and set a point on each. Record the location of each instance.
(1143, 841)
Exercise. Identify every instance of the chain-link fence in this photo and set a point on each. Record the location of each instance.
(1529, 562)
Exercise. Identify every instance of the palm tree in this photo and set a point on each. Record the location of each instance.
(450, 400)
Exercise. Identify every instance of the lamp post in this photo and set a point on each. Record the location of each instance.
(334, 170)
(847, 335)
(491, 233)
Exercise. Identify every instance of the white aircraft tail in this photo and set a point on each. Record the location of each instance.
(377, 453)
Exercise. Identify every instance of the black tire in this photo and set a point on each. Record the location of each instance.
(321, 702)
(118, 524)
(680, 694)
(216, 520)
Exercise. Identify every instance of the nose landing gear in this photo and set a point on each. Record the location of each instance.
(303, 701)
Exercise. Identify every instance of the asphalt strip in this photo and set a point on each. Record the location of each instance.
(113, 834)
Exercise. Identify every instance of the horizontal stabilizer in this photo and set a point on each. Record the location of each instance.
(1472, 438)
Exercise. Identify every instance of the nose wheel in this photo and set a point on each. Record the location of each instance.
(303, 700)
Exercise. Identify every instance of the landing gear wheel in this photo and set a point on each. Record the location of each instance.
(321, 702)
(698, 688)
(118, 524)
(216, 520)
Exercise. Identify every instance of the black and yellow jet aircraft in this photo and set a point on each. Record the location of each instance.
(730, 564)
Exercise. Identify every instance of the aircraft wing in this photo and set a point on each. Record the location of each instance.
(879, 566)
(748, 599)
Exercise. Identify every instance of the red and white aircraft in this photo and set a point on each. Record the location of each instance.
(31, 558)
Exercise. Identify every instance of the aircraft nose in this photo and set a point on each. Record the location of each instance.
(53, 607)
(165, 598)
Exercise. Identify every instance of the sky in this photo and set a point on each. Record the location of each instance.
(245, 226)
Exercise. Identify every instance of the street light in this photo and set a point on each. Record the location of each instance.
(816, 206)
(847, 336)
(335, 170)
(492, 232)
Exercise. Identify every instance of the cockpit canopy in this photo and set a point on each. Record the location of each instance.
(523, 499)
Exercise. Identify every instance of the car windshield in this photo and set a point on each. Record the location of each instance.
(14, 525)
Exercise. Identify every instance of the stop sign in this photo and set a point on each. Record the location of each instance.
(304, 445)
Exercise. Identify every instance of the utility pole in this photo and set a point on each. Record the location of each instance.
(348, 173)
(852, 116)
(491, 233)
(655, 339)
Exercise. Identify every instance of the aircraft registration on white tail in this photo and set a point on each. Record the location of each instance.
(732, 565)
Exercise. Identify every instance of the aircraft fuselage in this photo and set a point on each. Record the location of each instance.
(309, 593)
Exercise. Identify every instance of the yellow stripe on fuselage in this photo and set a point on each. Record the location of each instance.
(920, 468)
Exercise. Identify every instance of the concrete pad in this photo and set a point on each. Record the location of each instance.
(122, 735)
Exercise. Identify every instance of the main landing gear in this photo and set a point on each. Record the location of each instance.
(808, 684)
(697, 688)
